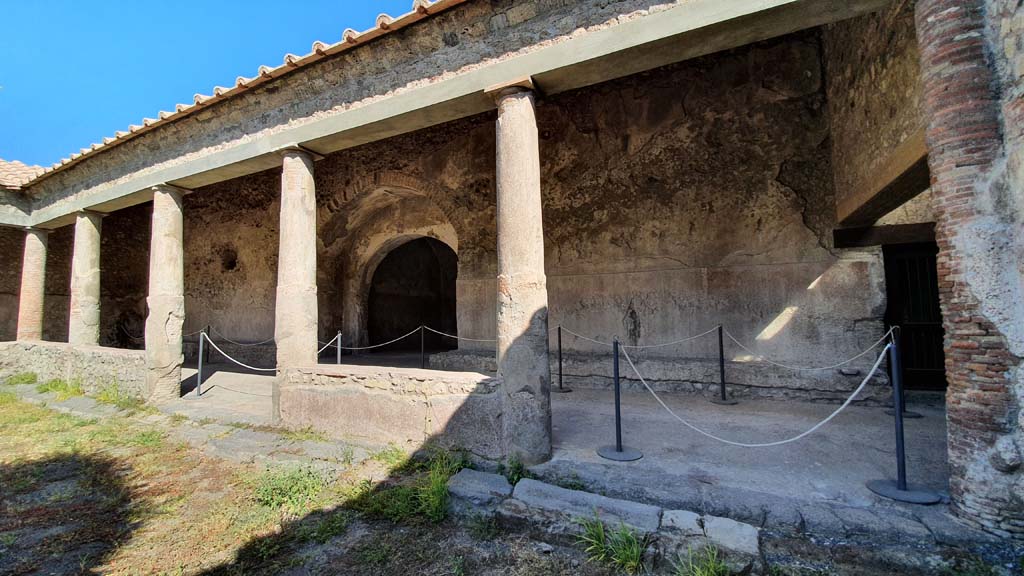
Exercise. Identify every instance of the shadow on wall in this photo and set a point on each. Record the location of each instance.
(64, 515)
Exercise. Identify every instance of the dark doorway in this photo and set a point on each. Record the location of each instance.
(414, 285)
(913, 294)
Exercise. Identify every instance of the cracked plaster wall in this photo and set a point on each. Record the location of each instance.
(673, 200)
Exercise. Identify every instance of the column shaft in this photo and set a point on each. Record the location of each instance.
(33, 279)
(84, 324)
(296, 307)
(522, 323)
(166, 300)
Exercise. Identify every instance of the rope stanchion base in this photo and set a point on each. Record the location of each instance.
(726, 402)
(558, 390)
(627, 454)
(912, 495)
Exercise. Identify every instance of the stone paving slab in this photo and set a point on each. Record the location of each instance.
(478, 488)
(578, 504)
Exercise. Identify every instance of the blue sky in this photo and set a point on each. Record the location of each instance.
(72, 72)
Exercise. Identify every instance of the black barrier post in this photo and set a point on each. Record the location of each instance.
(618, 452)
(337, 347)
(722, 397)
(207, 331)
(560, 387)
(899, 490)
(199, 372)
(423, 349)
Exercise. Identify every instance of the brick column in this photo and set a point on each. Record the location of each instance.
(84, 324)
(295, 317)
(522, 328)
(33, 278)
(978, 233)
(166, 299)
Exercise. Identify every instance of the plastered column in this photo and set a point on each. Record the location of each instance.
(296, 306)
(33, 278)
(84, 323)
(522, 322)
(166, 300)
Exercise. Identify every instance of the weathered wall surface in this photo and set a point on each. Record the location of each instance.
(872, 67)
(93, 366)
(404, 406)
(971, 72)
(124, 276)
(445, 45)
(12, 247)
(697, 194)
(57, 302)
(231, 257)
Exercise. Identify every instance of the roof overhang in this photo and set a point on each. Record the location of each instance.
(656, 39)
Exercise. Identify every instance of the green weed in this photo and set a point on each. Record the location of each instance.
(22, 378)
(704, 562)
(334, 524)
(147, 439)
(621, 548)
(291, 488)
(971, 567)
(375, 554)
(393, 456)
(304, 435)
(113, 394)
(62, 388)
(483, 527)
(514, 470)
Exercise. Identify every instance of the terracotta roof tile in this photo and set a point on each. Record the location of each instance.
(349, 39)
(14, 173)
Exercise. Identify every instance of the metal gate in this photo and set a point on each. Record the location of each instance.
(913, 305)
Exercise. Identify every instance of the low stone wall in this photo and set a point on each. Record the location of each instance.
(697, 375)
(94, 366)
(409, 407)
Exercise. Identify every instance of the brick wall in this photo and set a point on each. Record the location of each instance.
(976, 225)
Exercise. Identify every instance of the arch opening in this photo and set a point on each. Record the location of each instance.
(414, 285)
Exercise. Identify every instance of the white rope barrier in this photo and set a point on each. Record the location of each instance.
(320, 351)
(863, 383)
(242, 364)
(225, 338)
(415, 330)
(687, 339)
(129, 334)
(460, 337)
(807, 369)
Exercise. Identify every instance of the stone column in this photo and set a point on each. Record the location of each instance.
(84, 325)
(166, 300)
(522, 323)
(979, 223)
(33, 279)
(295, 312)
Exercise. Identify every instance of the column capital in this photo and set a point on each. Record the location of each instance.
(299, 149)
(170, 188)
(499, 91)
(35, 230)
(92, 213)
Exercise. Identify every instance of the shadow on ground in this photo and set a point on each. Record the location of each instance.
(64, 515)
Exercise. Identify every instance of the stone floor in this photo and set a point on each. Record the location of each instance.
(816, 483)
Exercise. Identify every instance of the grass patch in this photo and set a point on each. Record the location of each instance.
(392, 456)
(704, 562)
(290, 488)
(514, 470)
(483, 527)
(304, 435)
(334, 524)
(21, 378)
(62, 388)
(972, 566)
(147, 439)
(423, 497)
(374, 554)
(621, 548)
(113, 394)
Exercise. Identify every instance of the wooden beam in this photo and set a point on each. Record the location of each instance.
(904, 175)
(882, 235)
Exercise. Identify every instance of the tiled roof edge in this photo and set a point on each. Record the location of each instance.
(385, 24)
